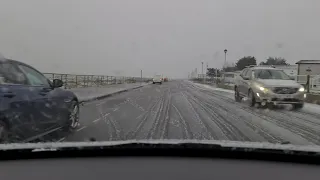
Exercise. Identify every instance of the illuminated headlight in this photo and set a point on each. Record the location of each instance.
(262, 88)
(301, 89)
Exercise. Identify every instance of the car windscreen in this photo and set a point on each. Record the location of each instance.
(270, 74)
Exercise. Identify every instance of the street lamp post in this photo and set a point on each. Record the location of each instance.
(202, 71)
(225, 57)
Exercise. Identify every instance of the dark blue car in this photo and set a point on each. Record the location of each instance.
(32, 106)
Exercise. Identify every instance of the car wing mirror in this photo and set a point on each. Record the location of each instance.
(245, 77)
(56, 83)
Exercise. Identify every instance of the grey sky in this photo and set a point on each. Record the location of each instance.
(159, 36)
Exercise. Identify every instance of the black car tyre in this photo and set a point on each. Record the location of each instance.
(73, 117)
(4, 132)
(252, 99)
(237, 96)
(298, 106)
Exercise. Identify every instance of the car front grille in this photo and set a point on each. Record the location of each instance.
(285, 90)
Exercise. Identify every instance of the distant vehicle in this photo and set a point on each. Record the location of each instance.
(165, 79)
(31, 105)
(157, 79)
(268, 85)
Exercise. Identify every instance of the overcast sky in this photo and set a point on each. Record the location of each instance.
(158, 36)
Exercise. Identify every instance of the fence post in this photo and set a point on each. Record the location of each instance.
(308, 83)
(76, 80)
(66, 81)
(102, 80)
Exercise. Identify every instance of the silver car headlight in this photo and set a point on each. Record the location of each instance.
(301, 89)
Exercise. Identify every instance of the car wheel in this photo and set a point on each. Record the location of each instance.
(4, 132)
(251, 98)
(73, 117)
(237, 96)
(298, 106)
(153, 82)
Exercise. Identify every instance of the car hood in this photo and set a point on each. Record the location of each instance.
(278, 83)
(35, 147)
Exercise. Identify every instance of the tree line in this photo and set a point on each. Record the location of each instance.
(246, 61)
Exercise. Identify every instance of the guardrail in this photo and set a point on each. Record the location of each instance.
(75, 81)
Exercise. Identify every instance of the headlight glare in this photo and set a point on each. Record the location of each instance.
(301, 89)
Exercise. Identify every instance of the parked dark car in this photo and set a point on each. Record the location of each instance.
(31, 106)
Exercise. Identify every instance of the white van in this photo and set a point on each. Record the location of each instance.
(157, 79)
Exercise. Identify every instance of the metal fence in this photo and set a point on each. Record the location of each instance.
(76, 81)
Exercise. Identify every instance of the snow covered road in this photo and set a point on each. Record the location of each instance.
(184, 110)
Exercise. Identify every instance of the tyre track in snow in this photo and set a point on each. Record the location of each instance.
(156, 122)
(234, 119)
(183, 110)
(238, 118)
(184, 125)
(144, 118)
(229, 124)
(209, 133)
(276, 118)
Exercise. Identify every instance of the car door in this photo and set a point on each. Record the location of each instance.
(44, 102)
(246, 83)
(242, 81)
(16, 102)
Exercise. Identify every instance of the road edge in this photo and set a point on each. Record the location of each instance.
(110, 94)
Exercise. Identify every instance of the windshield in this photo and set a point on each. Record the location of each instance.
(111, 70)
(270, 74)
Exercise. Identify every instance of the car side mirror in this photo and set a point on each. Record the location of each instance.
(56, 83)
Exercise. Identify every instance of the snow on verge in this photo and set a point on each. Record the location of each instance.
(214, 88)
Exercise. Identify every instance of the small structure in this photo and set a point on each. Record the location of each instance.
(312, 68)
(308, 67)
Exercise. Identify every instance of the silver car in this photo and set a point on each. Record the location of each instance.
(264, 85)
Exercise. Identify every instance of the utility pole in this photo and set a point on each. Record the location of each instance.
(202, 72)
(225, 57)
(141, 77)
(206, 72)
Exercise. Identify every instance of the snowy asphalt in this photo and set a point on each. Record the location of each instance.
(183, 110)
